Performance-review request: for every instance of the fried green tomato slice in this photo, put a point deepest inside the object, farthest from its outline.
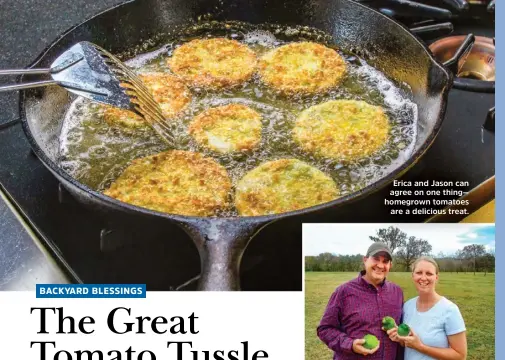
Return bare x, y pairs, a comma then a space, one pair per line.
175, 182
167, 90
283, 185
302, 68
345, 130
227, 129
213, 63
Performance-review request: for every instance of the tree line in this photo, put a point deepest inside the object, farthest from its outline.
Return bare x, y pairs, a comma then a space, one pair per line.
406, 249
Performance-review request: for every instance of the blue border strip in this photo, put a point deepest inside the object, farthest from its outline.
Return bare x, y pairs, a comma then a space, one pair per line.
500, 209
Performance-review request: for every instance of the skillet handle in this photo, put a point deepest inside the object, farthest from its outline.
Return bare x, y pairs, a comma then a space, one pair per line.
221, 244
456, 62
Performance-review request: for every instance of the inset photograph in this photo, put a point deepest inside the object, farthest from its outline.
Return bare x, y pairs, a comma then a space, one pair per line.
399, 291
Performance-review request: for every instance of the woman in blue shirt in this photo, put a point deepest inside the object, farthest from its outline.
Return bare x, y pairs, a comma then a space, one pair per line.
437, 327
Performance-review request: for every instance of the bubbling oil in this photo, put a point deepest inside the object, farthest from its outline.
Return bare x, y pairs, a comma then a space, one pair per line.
96, 153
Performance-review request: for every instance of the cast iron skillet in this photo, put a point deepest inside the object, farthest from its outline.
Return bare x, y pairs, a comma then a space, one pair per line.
221, 242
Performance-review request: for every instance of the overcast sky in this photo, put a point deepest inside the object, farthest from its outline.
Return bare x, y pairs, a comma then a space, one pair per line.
352, 239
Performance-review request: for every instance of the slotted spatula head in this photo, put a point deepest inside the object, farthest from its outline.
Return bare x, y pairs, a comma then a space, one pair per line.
90, 71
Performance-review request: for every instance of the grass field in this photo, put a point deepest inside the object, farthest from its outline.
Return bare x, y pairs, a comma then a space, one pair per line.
474, 294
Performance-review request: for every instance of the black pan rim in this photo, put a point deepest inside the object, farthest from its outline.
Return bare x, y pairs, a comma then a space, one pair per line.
119, 205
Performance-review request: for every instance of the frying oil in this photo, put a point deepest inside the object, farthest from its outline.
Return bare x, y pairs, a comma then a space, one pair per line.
96, 153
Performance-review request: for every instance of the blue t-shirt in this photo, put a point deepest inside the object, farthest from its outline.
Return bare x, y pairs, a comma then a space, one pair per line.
432, 326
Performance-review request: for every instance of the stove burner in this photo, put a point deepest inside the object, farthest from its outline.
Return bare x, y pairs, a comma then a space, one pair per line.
479, 64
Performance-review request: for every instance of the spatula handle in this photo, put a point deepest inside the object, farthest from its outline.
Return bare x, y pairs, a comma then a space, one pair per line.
24, 71
27, 85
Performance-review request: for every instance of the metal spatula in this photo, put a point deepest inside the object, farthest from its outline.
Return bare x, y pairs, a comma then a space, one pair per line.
90, 71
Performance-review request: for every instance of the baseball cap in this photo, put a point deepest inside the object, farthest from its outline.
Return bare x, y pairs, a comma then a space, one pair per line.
378, 247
